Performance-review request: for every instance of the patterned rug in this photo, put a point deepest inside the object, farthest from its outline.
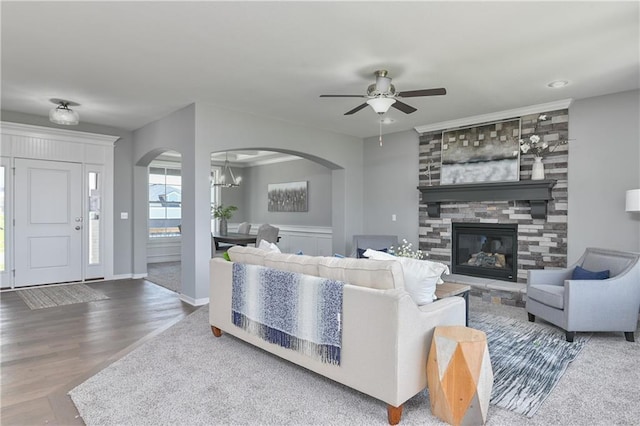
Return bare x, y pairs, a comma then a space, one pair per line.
528, 360
49, 297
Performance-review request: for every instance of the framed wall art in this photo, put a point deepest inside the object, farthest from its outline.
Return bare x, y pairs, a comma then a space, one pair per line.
288, 197
485, 153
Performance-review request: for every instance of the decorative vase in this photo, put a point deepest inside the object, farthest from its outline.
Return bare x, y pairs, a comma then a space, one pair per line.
537, 173
223, 227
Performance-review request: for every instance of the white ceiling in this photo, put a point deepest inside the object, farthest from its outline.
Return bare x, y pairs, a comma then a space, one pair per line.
130, 63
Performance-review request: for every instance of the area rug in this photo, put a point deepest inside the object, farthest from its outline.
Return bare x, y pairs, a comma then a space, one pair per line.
49, 297
166, 274
187, 376
527, 359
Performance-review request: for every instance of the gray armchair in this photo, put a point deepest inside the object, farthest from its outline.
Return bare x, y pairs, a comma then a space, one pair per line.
268, 233
244, 228
589, 305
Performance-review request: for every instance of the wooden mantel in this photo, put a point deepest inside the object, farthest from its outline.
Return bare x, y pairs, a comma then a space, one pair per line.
537, 192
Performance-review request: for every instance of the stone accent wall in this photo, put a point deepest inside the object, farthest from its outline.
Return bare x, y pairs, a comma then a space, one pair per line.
541, 243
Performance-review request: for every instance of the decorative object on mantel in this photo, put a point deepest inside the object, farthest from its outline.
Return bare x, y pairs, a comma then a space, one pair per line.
633, 200
485, 153
429, 164
223, 214
537, 146
538, 193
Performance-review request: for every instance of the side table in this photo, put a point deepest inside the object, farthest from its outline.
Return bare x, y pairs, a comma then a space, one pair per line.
451, 289
459, 375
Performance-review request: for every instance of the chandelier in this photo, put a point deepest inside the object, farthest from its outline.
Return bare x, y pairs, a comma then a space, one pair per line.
226, 178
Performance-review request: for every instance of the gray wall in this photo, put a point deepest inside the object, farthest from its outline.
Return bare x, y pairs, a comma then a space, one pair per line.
235, 197
123, 176
318, 177
391, 181
604, 162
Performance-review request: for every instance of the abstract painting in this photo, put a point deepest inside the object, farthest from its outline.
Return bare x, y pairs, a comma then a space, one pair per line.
287, 197
485, 153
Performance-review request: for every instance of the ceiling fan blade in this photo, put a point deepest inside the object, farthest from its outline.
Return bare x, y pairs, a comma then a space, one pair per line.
356, 109
342, 96
407, 109
423, 92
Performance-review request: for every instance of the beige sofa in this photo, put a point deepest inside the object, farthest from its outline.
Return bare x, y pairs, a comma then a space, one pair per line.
385, 335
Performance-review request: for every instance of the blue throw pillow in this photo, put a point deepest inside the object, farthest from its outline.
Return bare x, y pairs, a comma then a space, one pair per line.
583, 274
361, 252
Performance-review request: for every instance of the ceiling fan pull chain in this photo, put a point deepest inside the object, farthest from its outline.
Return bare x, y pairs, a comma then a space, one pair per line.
380, 139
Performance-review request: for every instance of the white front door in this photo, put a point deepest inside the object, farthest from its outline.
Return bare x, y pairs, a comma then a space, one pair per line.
48, 222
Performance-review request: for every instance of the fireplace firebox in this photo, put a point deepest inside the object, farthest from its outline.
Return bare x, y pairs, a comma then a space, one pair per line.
485, 250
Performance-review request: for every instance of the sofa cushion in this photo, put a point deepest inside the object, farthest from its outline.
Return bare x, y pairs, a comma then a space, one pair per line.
299, 263
382, 275
420, 276
550, 295
584, 274
250, 255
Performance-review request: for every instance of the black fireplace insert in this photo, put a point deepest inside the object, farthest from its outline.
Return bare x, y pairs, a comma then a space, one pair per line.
485, 250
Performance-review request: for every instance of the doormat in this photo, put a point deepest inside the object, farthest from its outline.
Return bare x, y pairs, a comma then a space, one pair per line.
49, 297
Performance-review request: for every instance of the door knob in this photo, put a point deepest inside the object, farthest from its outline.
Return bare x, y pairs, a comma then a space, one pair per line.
78, 228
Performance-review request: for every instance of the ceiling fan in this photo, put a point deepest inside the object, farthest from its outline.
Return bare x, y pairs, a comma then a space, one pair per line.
382, 95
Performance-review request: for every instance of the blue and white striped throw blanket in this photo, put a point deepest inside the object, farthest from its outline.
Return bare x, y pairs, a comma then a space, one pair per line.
295, 311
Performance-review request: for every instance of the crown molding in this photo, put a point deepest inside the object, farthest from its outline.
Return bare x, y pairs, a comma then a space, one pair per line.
495, 116
41, 132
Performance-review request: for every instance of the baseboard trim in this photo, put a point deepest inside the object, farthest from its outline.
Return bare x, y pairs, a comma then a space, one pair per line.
137, 276
194, 302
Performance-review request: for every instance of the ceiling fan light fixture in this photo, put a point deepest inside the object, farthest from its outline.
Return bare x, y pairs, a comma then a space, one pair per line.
62, 114
381, 105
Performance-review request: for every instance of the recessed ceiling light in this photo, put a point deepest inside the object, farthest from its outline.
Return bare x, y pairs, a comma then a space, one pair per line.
557, 84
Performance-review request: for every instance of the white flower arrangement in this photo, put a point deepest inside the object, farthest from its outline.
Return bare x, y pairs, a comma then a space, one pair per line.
406, 250
535, 144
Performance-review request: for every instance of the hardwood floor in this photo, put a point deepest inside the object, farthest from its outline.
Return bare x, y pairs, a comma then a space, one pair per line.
47, 352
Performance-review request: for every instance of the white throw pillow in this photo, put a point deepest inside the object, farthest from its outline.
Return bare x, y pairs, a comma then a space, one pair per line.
266, 245
420, 276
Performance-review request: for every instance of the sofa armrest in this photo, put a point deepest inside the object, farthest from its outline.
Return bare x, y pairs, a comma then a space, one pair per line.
548, 276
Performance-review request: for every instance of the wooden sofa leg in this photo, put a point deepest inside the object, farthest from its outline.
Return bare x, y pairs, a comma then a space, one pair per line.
629, 336
570, 335
532, 318
394, 414
216, 331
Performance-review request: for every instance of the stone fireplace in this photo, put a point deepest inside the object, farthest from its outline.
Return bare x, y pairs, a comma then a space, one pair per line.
539, 219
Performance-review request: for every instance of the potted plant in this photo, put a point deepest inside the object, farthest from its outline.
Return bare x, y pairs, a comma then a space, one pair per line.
223, 213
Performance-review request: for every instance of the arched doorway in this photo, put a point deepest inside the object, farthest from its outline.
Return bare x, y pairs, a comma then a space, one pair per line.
305, 228
164, 220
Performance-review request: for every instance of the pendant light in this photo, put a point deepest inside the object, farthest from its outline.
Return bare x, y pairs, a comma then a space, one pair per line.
226, 178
